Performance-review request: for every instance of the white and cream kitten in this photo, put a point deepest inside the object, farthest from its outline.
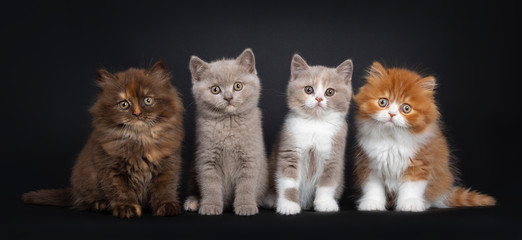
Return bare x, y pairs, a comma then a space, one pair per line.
307, 161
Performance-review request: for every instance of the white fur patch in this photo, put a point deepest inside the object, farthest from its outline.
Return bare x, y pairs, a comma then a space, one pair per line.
317, 133
373, 196
389, 148
324, 200
411, 196
287, 207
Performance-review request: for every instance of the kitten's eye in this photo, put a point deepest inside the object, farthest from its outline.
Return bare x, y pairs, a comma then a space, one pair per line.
238, 86
383, 102
406, 108
215, 89
148, 101
124, 105
309, 90
329, 92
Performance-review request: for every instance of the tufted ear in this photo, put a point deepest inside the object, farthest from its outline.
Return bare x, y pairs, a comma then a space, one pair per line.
105, 77
428, 83
159, 70
197, 66
377, 70
247, 60
298, 65
345, 69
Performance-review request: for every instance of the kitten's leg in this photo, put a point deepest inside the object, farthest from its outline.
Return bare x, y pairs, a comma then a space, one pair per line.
287, 185
210, 184
327, 185
164, 194
373, 195
245, 202
411, 192
122, 199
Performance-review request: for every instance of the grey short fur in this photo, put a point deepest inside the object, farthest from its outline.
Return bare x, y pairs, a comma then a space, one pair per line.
230, 167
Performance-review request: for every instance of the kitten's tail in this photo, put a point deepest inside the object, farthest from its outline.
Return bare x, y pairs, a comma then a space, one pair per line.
465, 197
55, 197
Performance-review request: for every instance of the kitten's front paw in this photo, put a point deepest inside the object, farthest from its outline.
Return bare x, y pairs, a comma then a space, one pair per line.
326, 205
191, 204
126, 210
206, 209
371, 205
99, 206
168, 209
286, 207
411, 205
246, 210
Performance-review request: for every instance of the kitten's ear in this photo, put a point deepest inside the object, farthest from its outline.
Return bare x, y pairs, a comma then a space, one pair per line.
159, 70
345, 69
428, 83
298, 66
247, 60
104, 77
197, 66
377, 70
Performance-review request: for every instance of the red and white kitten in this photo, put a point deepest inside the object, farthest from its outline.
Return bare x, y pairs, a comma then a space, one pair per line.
403, 159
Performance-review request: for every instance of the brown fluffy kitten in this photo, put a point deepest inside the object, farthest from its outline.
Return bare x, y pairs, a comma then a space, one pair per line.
402, 155
132, 158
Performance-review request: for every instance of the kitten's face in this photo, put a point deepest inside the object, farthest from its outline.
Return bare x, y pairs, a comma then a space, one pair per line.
317, 90
226, 87
397, 98
135, 98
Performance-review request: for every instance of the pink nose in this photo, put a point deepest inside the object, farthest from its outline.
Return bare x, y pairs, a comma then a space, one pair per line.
228, 99
392, 114
319, 99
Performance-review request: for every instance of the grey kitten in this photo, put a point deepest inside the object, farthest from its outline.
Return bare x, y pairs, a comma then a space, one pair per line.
307, 162
230, 166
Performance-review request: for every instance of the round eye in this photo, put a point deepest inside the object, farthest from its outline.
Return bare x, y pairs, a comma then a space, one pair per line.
383, 102
215, 89
238, 86
329, 92
406, 108
148, 101
124, 105
309, 90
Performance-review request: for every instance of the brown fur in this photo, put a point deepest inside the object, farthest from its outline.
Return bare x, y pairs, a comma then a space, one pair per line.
431, 161
132, 158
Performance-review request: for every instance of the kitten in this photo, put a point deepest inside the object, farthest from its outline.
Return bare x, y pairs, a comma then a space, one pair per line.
132, 158
307, 161
402, 154
230, 161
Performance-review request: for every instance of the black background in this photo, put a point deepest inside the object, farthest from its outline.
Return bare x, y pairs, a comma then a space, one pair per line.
51, 51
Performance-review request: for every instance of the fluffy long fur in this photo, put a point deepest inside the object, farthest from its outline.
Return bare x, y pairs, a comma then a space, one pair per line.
132, 158
230, 166
403, 159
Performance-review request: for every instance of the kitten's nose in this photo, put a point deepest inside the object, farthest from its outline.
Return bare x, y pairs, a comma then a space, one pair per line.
137, 113
392, 114
318, 99
228, 99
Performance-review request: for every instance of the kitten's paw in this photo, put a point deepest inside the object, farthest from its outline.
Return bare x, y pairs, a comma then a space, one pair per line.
371, 205
168, 209
191, 204
411, 205
126, 210
246, 210
326, 205
206, 209
286, 207
99, 206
